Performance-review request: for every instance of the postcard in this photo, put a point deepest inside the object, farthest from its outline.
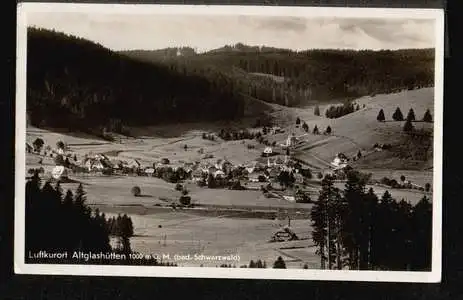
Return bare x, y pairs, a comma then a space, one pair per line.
250, 142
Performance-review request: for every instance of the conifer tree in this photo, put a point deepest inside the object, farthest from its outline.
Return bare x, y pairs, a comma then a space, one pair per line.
381, 117
279, 263
427, 116
382, 254
305, 127
397, 115
315, 130
422, 244
353, 230
325, 215
367, 247
411, 115
328, 129
316, 111
298, 121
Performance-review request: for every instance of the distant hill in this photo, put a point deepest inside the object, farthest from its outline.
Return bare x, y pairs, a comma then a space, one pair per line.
75, 83
312, 75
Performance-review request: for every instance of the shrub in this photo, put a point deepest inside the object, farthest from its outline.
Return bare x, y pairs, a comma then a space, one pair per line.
319, 175
136, 191
262, 178
178, 187
427, 116
185, 200
38, 144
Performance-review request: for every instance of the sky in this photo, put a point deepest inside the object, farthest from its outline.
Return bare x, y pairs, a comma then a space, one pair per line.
129, 31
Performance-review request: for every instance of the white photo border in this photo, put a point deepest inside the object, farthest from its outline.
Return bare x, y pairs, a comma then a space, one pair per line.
20, 267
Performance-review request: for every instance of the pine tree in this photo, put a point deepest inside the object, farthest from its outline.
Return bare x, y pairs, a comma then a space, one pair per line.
397, 116
382, 239
381, 117
279, 263
354, 214
316, 111
305, 127
367, 247
422, 235
408, 126
298, 121
252, 264
427, 116
411, 115
325, 221
315, 130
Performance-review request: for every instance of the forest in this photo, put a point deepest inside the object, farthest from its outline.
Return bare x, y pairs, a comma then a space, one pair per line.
305, 76
58, 221
355, 229
78, 84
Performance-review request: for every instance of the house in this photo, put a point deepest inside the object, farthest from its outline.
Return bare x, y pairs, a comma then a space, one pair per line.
197, 175
133, 163
276, 129
59, 151
212, 170
268, 151
254, 177
290, 198
59, 172
218, 165
339, 162
219, 174
299, 179
149, 171
291, 140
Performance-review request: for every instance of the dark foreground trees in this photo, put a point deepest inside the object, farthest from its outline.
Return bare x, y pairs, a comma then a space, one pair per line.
427, 116
354, 229
54, 223
59, 223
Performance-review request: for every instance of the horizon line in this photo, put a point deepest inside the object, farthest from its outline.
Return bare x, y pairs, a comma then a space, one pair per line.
199, 52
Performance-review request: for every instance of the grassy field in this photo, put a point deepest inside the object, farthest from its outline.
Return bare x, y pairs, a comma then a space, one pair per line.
179, 233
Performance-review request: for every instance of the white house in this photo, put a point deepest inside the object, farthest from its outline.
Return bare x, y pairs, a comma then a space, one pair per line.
59, 172
290, 198
291, 140
268, 150
219, 174
133, 163
149, 171
59, 151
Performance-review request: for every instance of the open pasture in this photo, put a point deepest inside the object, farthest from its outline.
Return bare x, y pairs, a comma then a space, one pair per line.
178, 233
360, 130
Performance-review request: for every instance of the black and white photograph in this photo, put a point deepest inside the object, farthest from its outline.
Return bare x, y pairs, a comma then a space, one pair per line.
229, 142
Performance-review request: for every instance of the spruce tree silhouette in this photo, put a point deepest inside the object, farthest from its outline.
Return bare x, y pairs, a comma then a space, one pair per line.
279, 263
397, 115
427, 116
381, 117
411, 115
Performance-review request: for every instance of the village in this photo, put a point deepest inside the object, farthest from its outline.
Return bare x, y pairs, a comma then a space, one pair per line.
224, 189
275, 172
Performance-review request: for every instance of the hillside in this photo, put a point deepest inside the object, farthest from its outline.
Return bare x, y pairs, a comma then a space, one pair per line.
75, 83
360, 131
312, 75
